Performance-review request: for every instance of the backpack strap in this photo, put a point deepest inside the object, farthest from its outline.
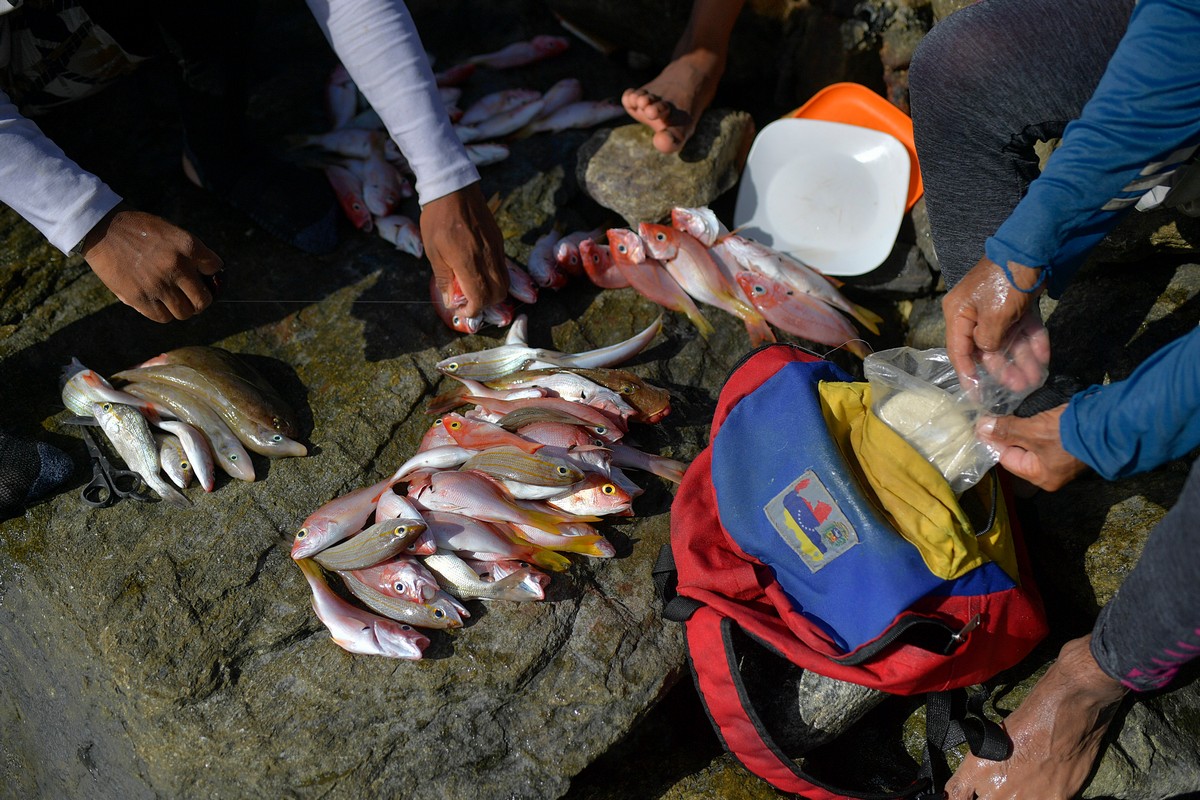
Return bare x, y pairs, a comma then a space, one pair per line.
720, 686
676, 607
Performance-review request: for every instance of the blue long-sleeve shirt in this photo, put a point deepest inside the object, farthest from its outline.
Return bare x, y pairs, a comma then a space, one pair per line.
1139, 423
1142, 121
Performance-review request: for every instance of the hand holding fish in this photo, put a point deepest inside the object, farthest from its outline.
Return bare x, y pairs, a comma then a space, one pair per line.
993, 322
464, 244
162, 271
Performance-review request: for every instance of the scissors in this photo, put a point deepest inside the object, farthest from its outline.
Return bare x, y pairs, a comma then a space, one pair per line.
108, 483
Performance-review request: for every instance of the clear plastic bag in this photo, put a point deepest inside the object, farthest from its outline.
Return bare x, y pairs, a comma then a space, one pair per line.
918, 394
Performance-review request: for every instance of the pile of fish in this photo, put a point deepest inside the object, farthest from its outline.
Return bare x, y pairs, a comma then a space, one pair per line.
370, 175
696, 259
185, 413
493, 499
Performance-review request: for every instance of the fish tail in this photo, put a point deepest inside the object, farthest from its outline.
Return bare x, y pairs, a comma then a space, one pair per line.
548, 559
868, 318
759, 330
703, 325
167, 492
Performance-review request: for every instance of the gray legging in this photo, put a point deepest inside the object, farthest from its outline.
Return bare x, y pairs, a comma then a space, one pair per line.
986, 84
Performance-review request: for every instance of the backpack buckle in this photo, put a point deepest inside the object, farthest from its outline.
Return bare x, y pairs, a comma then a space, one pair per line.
958, 638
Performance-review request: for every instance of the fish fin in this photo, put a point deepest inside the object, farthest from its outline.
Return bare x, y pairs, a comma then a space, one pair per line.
759, 331
868, 318
548, 559
702, 325
447, 401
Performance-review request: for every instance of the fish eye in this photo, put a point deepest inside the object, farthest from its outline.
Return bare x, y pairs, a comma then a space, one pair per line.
597, 442
600, 429
300, 534
438, 613
456, 320
357, 207
662, 237
454, 425
622, 248
184, 465
452, 366
399, 587
437, 421
107, 406
277, 438
406, 627
563, 471
760, 289
628, 388
233, 457
608, 488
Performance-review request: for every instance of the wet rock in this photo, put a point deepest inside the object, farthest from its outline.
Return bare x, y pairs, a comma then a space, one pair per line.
620, 169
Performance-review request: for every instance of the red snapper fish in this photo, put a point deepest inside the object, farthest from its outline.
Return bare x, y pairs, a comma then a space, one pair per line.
563, 93
699, 222
566, 252
349, 190
402, 232
453, 316
454, 76
520, 283
599, 266
339, 518
580, 114
474, 495
650, 279
356, 630
498, 102
542, 265
800, 314
518, 54
690, 263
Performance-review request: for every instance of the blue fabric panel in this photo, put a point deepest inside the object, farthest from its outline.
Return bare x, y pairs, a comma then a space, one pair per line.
772, 439
985, 579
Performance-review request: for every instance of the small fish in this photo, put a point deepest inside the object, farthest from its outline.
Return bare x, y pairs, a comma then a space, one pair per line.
358, 631
668, 468
585, 544
651, 280
483, 154
341, 97
463, 582
372, 545
599, 423
542, 266
580, 114
599, 266
699, 222
197, 452
691, 265
520, 283
337, 519
595, 495
498, 102
476, 434
130, 434
454, 76
453, 316
499, 314
434, 614
173, 460
404, 577
563, 93
460, 533
345, 142
566, 252
518, 54
485, 365
402, 232
517, 465
383, 185
446, 457
83, 386
349, 190
474, 495
800, 314
535, 583
510, 121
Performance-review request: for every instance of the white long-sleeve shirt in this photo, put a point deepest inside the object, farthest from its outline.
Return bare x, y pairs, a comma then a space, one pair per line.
377, 42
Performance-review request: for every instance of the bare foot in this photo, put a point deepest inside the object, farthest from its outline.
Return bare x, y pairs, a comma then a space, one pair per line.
1056, 735
671, 104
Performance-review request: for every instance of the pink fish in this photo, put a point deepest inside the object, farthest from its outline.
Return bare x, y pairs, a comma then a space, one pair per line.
341, 97
699, 222
558, 434
454, 76
402, 232
650, 279
349, 190
483, 154
508, 122
595, 495
499, 314
499, 102
580, 114
337, 519
800, 314
403, 577
599, 266
594, 544
453, 317
566, 252
383, 185
518, 54
520, 283
563, 93
476, 434
668, 468
475, 495
599, 422
542, 266
356, 630
482, 540
690, 263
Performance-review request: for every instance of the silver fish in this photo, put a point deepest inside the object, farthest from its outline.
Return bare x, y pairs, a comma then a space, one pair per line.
463, 582
372, 545
424, 615
173, 460
130, 434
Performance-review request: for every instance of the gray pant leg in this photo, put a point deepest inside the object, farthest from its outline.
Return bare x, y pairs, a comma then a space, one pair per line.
1151, 627
986, 83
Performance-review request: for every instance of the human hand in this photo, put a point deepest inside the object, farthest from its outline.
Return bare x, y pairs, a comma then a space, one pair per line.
990, 322
464, 244
150, 264
1031, 448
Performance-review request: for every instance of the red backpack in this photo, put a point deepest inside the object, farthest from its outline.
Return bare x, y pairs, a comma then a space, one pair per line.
774, 536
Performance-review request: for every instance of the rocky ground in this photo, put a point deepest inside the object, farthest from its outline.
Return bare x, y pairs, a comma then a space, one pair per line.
157, 652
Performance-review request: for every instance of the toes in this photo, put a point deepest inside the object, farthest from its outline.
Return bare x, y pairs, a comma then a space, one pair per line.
670, 140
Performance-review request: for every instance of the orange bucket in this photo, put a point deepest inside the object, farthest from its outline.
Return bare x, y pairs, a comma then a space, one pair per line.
855, 104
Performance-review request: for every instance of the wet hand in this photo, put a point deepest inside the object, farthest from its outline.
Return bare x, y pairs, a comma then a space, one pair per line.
152, 265
1031, 448
463, 243
991, 323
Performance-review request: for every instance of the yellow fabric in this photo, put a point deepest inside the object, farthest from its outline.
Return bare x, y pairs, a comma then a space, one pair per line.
911, 493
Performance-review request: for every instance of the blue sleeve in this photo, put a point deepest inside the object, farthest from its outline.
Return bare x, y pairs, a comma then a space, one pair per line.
1140, 123
1144, 421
